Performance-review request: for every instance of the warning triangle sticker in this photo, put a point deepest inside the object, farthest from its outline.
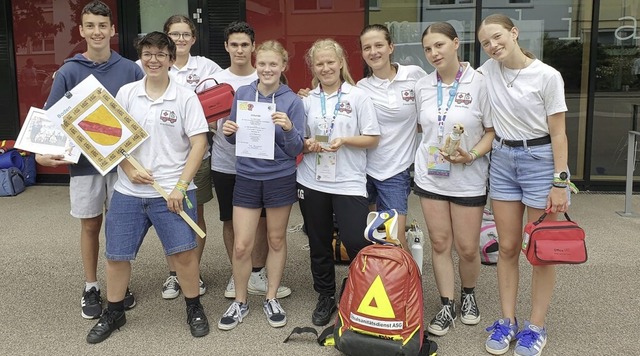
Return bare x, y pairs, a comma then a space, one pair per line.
376, 301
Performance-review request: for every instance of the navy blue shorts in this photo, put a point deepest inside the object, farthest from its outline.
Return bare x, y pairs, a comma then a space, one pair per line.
270, 193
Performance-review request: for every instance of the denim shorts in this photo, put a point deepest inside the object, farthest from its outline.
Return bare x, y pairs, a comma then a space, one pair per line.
480, 200
391, 193
129, 219
523, 174
270, 193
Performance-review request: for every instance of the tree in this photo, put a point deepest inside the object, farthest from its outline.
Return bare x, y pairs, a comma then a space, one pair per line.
29, 18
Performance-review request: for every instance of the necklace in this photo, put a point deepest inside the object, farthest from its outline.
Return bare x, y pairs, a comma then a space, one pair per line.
510, 82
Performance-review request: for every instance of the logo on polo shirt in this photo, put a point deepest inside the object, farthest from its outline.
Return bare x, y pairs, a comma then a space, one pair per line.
168, 115
408, 95
463, 98
345, 107
193, 79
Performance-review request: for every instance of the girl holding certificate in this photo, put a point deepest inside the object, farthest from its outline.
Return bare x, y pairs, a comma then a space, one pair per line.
341, 125
451, 184
266, 124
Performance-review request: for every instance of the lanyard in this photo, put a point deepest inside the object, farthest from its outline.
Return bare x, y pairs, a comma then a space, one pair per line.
323, 103
452, 94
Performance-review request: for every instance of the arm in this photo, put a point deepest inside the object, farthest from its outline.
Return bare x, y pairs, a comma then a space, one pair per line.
58, 88
292, 128
557, 200
230, 126
367, 126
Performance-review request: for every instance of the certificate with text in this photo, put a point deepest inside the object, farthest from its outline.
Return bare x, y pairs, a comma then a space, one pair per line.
256, 133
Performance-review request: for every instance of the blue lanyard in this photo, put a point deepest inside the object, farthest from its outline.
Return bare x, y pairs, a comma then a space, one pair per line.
323, 103
452, 94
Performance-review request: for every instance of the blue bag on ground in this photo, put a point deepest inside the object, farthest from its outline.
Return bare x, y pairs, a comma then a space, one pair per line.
11, 158
11, 182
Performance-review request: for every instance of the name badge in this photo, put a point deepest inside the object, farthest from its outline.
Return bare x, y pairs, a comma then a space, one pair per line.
323, 140
326, 166
436, 164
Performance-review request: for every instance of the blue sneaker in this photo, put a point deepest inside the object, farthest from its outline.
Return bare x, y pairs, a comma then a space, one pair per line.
531, 340
502, 333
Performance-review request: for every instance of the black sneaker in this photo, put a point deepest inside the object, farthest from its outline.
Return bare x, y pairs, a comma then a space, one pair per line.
324, 309
91, 303
441, 323
469, 312
129, 300
109, 321
197, 320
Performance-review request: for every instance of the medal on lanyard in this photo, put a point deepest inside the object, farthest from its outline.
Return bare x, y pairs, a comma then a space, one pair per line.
328, 129
442, 116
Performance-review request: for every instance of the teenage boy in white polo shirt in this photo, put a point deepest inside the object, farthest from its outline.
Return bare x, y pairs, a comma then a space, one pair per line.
240, 44
173, 117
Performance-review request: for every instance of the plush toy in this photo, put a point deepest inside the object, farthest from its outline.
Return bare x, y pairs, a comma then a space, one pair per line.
452, 142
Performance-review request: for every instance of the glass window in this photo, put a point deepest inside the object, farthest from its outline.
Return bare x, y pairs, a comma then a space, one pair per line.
617, 95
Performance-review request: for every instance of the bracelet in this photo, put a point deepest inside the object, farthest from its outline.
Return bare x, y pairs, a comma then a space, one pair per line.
475, 153
558, 185
184, 182
184, 193
474, 156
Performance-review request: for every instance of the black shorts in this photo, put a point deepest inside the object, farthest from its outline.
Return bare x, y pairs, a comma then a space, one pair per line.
480, 200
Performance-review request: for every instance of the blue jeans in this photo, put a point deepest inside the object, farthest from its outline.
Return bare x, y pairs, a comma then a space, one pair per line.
129, 218
391, 193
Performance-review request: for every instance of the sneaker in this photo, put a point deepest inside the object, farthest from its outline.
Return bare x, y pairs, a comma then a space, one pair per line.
469, 312
230, 291
445, 318
91, 303
109, 321
234, 315
274, 312
324, 309
203, 287
258, 284
129, 300
502, 333
197, 320
171, 288
531, 340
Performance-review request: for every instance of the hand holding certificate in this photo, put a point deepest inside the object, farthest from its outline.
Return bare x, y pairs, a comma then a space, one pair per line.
255, 136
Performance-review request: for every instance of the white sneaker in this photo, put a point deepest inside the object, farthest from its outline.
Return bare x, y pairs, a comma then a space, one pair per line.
171, 288
230, 291
258, 284
203, 287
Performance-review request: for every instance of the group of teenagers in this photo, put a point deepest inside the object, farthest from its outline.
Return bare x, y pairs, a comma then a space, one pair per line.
357, 141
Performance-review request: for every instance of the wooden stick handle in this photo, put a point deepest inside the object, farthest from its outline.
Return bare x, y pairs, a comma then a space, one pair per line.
164, 194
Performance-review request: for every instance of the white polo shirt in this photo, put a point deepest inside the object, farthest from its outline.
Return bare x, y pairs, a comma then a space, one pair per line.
470, 108
520, 112
357, 116
395, 103
223, 154
170, 121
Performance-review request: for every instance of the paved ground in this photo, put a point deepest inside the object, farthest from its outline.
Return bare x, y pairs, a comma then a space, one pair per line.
594, 311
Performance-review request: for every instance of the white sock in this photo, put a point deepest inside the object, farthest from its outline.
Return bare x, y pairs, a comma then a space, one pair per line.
89, 285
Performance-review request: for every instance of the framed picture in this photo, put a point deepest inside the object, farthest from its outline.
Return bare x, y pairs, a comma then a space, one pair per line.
41, 135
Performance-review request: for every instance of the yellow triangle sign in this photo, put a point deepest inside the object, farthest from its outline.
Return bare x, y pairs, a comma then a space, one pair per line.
376, 302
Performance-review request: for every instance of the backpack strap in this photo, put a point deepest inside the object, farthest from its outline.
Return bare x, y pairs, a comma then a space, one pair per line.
325, 338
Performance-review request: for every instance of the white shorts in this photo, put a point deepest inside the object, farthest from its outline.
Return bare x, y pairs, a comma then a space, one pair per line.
91, 195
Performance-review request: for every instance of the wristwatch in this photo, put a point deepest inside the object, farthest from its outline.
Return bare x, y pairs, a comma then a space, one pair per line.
561, 175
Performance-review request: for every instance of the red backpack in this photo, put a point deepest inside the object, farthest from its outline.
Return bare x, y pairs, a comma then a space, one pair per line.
381, 308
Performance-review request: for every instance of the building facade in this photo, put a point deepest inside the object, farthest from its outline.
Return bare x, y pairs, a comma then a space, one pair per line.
595, 45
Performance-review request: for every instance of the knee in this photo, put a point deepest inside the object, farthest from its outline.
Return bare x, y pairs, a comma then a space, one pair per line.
440, 246
184, 258
276, 243
509, 250
242, 250
469, 253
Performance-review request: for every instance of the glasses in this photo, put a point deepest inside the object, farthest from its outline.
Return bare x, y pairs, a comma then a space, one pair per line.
160, 56
176, 35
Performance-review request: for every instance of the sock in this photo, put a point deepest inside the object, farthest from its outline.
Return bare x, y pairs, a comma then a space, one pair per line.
117, 306
192, 301
89, 285
172, 273
445, 301
468, 290
256, 269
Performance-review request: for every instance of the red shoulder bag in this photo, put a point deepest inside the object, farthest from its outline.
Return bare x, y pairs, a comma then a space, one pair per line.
554, 242
216, 101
